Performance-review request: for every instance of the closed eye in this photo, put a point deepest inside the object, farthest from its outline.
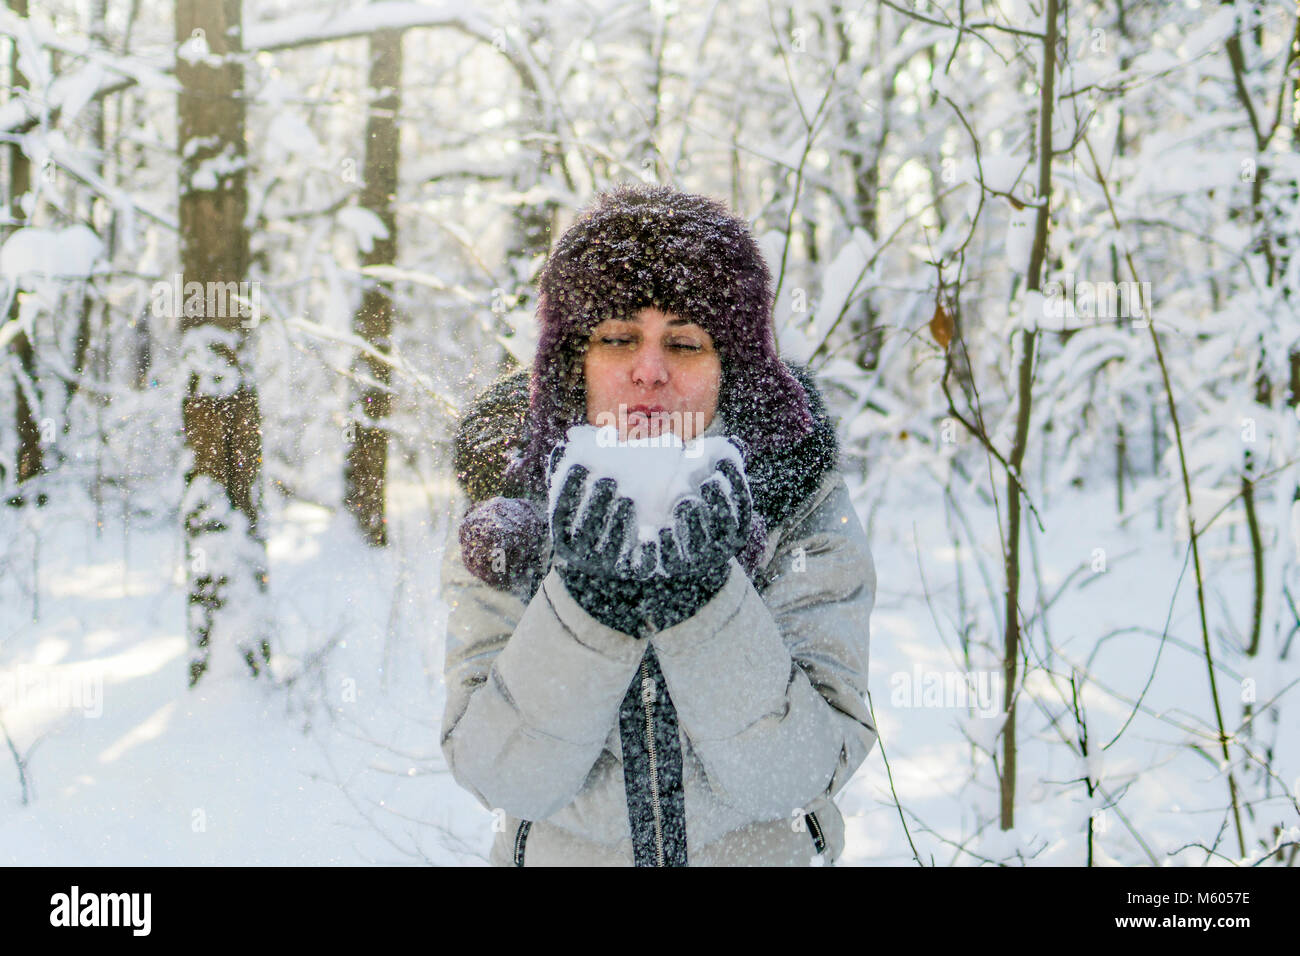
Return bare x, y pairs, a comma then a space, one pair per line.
683, 346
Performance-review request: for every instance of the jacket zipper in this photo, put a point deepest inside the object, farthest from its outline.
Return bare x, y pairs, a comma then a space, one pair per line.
521, 837
647, 699
819, 840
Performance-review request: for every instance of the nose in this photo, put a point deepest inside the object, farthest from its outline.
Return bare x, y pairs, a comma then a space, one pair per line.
649, 367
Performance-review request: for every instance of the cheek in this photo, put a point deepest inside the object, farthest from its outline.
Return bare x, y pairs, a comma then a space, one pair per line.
591, 372
596, 375
709, 386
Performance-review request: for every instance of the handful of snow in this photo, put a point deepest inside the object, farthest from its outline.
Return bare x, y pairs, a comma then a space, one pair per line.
655, 472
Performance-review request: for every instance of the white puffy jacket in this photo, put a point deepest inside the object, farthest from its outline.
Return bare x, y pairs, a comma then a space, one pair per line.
767, 684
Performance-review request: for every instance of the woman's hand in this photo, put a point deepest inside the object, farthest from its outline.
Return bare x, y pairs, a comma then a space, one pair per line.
696, 552
600, 541
708, 530
603, 572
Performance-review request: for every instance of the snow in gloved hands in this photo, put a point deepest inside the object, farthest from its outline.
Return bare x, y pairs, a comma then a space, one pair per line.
655, 472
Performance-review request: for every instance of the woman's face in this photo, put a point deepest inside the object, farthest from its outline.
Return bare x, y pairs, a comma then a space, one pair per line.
652, 373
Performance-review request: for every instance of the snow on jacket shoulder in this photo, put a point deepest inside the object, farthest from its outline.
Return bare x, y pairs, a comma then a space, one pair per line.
768, 681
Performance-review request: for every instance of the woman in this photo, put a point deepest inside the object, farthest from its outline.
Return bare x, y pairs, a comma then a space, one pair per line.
607, 717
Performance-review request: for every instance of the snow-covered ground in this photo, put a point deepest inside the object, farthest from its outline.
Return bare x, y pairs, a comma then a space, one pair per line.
124, 765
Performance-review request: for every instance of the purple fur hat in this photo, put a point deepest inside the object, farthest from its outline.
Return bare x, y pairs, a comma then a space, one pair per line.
641, 245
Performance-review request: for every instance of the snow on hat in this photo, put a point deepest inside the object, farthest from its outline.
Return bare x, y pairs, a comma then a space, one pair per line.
639, 245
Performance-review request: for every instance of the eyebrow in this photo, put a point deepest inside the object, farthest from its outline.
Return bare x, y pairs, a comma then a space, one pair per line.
678, 321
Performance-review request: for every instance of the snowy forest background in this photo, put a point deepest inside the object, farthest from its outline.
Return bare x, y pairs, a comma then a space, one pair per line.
1041, 255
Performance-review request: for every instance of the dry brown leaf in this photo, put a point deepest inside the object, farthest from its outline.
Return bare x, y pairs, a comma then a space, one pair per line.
941, 326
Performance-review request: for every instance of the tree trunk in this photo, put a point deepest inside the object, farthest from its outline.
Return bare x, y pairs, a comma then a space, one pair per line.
94, 113
866, 190
366, 468
1033, 282
29, 459
226, 556
534, 221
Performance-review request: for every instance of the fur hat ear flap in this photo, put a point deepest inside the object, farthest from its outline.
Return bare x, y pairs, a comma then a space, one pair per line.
502, 540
